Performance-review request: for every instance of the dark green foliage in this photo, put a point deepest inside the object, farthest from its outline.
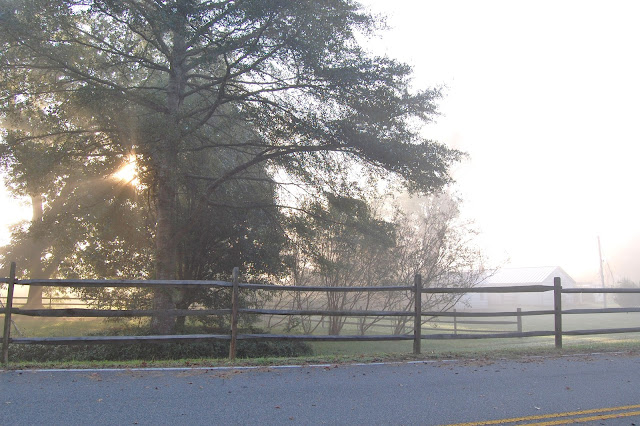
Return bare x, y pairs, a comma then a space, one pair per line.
341, 238
341, 243
221, 103
157, 351
170, 79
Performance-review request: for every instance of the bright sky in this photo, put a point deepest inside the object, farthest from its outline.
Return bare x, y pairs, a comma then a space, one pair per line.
11, 211
543, 95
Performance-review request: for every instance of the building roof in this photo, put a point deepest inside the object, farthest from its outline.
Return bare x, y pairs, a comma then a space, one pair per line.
528, 276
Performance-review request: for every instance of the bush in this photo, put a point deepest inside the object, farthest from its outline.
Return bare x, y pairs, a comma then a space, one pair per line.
156, 351
628, 300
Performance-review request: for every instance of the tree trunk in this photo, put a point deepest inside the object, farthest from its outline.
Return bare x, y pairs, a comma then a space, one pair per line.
166, 247
184, 303
166, 161
335, 326
34, 298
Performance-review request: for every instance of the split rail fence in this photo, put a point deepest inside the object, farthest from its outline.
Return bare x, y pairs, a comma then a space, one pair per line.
416, 291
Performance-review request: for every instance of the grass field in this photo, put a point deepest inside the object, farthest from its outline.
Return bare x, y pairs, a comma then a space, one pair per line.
56, 327
32, 327
530, 323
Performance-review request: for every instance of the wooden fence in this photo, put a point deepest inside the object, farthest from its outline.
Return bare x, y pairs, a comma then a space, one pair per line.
53, 301
235, 310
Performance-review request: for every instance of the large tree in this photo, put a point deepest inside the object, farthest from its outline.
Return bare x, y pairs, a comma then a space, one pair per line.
435, 242
169, 79
342, 244
346, 243
69, 197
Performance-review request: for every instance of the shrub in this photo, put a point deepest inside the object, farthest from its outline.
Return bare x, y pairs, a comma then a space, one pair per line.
628, 300
156, 351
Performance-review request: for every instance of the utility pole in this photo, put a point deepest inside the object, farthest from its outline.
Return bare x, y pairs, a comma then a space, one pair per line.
604, 295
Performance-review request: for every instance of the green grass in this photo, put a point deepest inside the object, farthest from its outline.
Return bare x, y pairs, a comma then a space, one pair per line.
346, 352
513, 352
450, 347
57, 327
483, 347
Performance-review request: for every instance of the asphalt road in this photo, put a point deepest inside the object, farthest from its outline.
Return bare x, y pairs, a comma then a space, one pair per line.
597, 389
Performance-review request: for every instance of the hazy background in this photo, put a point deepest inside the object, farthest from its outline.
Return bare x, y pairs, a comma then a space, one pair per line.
544, 97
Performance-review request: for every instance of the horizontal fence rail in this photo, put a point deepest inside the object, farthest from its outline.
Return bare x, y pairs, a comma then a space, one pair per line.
601, 290
124, 283
414, 292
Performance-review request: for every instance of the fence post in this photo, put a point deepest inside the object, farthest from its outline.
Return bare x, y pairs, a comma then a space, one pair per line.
417, 320
519, 319
7, 314
455, 322
557, 307
234, 315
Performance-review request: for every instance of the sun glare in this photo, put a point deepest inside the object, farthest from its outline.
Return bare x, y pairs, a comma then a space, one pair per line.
129, 172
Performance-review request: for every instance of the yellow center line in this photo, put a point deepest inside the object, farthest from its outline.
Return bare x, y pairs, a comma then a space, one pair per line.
556, 415
586, 419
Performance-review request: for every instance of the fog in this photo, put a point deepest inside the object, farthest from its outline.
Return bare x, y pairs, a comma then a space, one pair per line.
543, 97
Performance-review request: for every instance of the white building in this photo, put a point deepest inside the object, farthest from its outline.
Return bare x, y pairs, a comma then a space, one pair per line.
508, 277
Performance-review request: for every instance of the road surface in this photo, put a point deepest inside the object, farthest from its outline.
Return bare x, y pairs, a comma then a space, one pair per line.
585, 389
